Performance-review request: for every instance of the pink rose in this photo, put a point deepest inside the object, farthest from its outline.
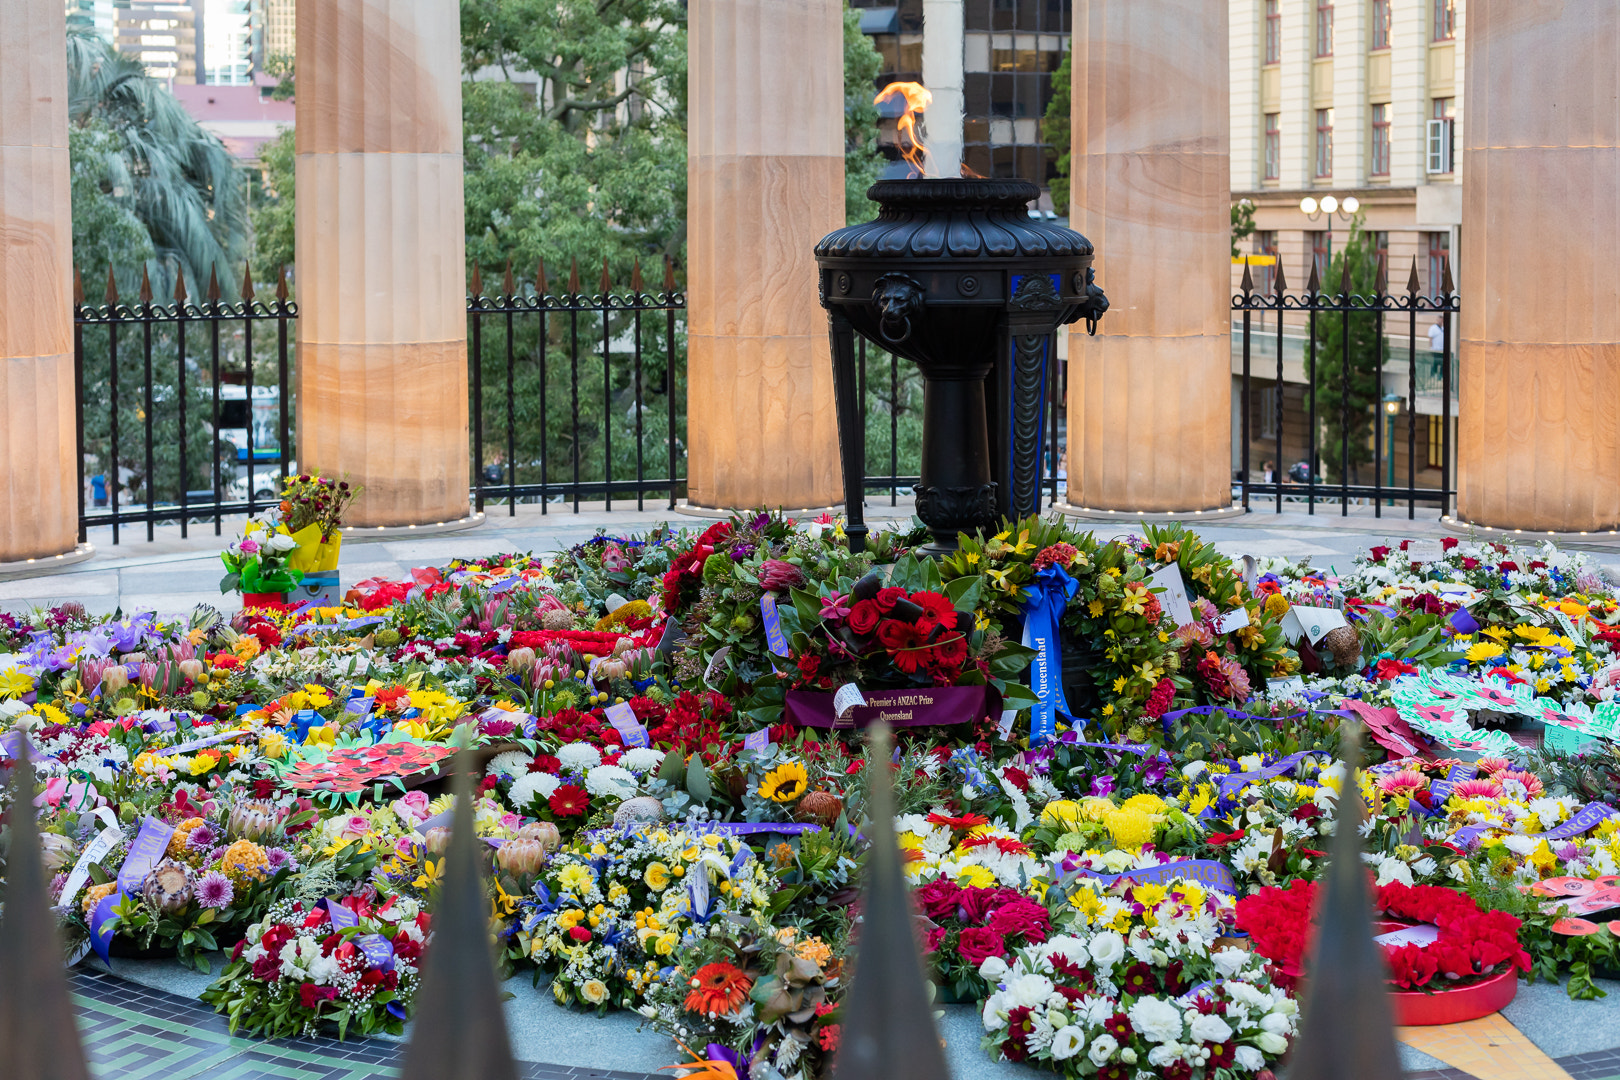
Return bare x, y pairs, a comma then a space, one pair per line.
356, 827
250, 547
511, 821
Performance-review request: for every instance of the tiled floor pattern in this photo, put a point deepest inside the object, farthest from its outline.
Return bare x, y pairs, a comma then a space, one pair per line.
134, 1033
1489, 1048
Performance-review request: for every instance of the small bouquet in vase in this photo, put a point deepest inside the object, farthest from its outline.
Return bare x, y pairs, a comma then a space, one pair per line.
312, 509
259, 565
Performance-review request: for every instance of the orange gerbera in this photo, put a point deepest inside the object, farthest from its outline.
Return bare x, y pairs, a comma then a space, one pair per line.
717, 989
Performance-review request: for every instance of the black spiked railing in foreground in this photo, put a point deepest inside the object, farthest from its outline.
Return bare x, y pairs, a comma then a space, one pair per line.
460, 1030
1348, 1030
889, 1031
38, 1038
1301, 437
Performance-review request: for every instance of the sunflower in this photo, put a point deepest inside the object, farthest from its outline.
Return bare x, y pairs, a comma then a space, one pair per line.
717, 989
785, 783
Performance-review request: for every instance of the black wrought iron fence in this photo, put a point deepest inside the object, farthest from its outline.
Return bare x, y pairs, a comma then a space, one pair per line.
1340, 408
186, 412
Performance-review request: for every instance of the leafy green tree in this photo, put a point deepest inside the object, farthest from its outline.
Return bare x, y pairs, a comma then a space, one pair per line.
1055, 129
272, 213
1242, 224
1345, 406
862, 162
180, 181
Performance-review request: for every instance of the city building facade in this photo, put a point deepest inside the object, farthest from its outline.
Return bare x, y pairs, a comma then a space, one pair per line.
162, 36
1336, 100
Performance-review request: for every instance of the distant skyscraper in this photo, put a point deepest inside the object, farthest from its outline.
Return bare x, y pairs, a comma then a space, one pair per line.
228, 42
279, 22
96, 15
163, 36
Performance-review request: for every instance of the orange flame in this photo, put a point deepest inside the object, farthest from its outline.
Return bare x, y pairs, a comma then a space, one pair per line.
917, 98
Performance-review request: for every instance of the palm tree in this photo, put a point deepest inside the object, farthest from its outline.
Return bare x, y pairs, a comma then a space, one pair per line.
179, 180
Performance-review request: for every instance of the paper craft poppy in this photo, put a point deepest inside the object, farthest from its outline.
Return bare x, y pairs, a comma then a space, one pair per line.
1575, 927
357, 768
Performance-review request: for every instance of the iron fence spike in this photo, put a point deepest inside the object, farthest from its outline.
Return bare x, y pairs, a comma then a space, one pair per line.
1412, 285
540, 285
507, 282
247, 281
146, 285
607, 284
1446, 285
38, 1038
112, 288
1282, 284
179, 284
669, 274
1248, 280
281, 283
460, 1030
1344, 278
889, 1031
1382, 284
477, 281
1314, 285
78, 287
573, 277
1348, 1029
212, 295
635, 277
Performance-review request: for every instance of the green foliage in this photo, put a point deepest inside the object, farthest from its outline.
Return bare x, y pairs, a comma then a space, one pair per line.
106, 231
862, 163
1340, 398
1055, 130
1242, 223
272, 214
178, 180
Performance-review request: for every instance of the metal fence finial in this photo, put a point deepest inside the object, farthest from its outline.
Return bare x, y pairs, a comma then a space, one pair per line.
212, 296
1248, 279
1282, 283
669, 274
112, 289
1344, 279
1446, 284
540, 285
78, 288
460, 1029
1348, 1031
1382, 281
1412, 285
1314, 285
38, 1038
146, 285
179, 284
889, 1031
247, 282
607, 283
573, 277
477, 282
281, 283
507, 283
635, 278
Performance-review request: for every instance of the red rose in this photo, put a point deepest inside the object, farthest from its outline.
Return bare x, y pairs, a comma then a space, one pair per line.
1023, 917
864, 616
267, 968
887, 598
939, 898
407, 948
1380, 553
311, 996
1507, 564
1018, 778
979, 943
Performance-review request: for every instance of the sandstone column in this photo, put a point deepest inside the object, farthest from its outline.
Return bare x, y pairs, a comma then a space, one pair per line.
765, 181
1539, 444
382, 328
1150, 395
38, 497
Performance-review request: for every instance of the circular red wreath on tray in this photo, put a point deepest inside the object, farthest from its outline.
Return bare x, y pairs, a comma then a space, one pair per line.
1472, 945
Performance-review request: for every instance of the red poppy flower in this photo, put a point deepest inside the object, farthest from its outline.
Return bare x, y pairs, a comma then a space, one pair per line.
1222, 839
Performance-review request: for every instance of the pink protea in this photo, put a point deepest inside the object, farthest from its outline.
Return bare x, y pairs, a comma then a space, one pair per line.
1407, 782
1478, 789
1530, 782
1492, 766
779, 576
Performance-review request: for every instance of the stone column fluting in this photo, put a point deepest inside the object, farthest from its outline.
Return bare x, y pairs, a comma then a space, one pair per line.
765, 181
382, 327
1150, 395
1538, 438
39, 503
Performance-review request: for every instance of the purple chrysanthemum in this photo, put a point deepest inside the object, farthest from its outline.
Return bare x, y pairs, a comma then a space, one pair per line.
214, 890
203, 838
278, 858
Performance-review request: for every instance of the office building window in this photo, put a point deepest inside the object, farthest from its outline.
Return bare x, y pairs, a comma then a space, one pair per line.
1445, 20
1380, 140
1439, 256
1437, 445
1265, 277
1324, 143
1324, 27
1007, 87
1321, 254
1380, 24
1443, 136
1273, 145
1273, 31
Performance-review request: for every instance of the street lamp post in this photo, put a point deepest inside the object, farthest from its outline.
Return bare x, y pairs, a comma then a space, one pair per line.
1393, 406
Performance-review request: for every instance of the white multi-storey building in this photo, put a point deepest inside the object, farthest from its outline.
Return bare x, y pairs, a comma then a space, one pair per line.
1359, 98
